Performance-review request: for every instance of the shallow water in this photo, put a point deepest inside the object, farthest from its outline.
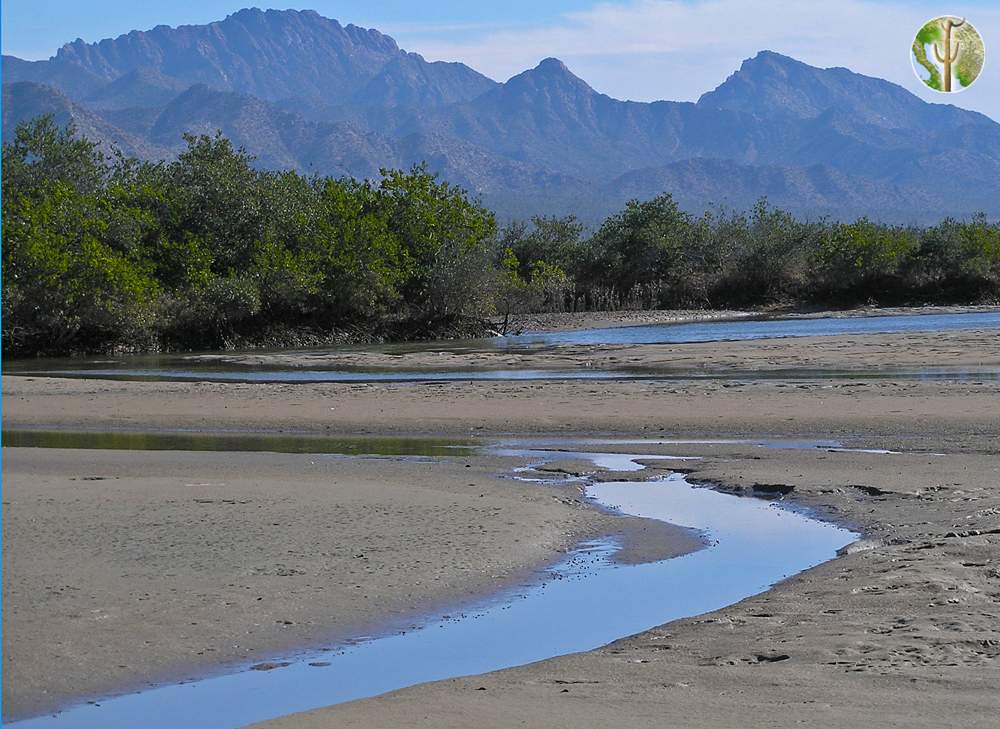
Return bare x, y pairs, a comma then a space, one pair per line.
629, 462
743, 329
587, 601
538, 450
132, 441
217, 368
304, 375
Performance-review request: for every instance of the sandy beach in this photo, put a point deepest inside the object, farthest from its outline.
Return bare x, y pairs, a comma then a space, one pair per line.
906, 630
890, 409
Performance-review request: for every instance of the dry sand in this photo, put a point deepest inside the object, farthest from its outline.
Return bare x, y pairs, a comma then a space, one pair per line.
905, 634
838, 408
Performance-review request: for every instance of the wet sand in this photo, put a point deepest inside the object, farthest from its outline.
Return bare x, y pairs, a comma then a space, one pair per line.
123, 568
908, 632
902, 632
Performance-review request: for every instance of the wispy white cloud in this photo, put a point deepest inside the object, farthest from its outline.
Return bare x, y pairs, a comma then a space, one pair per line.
432, 28
655, 49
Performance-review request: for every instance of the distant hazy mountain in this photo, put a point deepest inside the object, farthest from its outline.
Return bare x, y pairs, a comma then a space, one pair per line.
24, 100
299, 90
273, 54
142, 87
772, 86
409, 80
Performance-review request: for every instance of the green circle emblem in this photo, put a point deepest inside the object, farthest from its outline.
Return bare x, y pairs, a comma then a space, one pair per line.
948, 54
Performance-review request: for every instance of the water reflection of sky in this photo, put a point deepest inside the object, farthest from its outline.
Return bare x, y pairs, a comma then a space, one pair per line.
589, 602
716, 331
217, 368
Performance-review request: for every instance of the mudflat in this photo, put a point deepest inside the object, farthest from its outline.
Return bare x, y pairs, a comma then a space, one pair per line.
907, 631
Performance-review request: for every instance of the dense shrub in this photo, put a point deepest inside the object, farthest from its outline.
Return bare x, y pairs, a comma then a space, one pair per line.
654, 255
206, 251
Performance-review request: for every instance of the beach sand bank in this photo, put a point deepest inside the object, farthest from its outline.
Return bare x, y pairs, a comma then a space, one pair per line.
906, 632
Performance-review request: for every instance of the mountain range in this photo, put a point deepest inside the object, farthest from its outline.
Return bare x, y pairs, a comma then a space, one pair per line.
298, 90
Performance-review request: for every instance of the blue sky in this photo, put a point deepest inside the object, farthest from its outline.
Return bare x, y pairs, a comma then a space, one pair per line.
635, 49
36, 28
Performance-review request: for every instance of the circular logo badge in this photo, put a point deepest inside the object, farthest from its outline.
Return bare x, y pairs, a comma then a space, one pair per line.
948, 54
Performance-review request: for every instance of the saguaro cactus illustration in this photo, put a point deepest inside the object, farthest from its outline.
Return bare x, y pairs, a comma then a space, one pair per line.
947, 55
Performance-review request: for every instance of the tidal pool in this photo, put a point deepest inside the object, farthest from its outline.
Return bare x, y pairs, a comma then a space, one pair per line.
586, 601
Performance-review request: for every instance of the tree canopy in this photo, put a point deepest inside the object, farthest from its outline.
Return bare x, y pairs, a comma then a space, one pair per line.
107, 253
